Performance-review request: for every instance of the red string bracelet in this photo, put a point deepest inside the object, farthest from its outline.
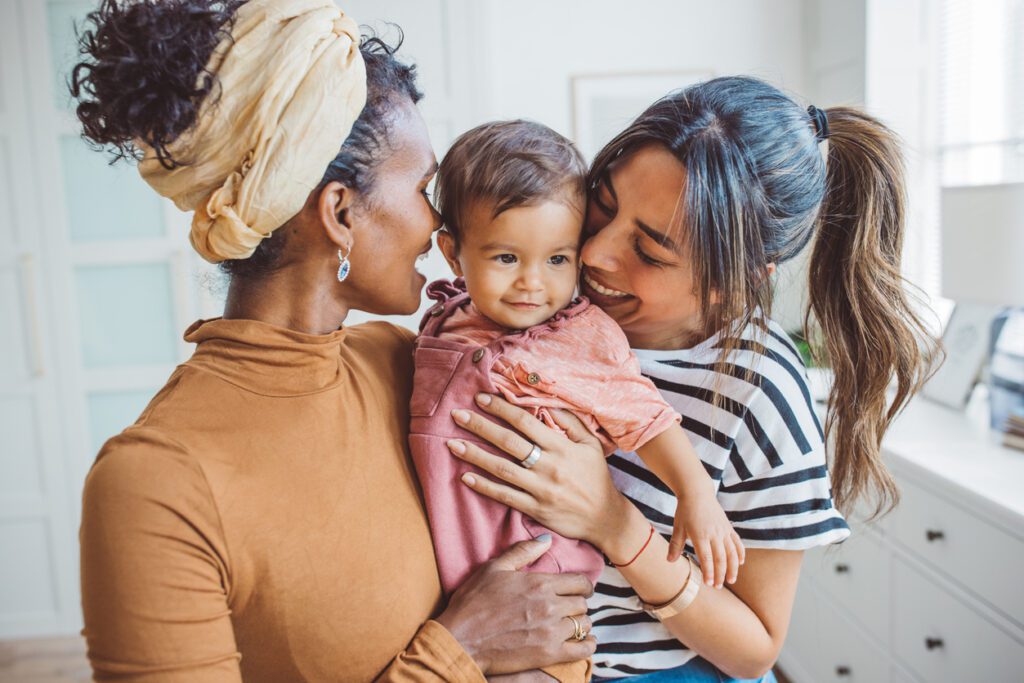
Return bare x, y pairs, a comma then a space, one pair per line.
639, 552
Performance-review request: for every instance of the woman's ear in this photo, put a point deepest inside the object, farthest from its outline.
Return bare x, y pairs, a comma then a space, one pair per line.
446, 242
334, 209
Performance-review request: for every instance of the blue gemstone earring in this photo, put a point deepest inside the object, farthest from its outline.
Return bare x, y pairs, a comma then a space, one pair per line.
343, 266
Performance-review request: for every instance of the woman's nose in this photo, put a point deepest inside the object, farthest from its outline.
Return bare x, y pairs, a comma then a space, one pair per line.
600, 251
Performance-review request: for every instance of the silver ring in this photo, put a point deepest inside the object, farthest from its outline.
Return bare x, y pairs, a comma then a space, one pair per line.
531, 460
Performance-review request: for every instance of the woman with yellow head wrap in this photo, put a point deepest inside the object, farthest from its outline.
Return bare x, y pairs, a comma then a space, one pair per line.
260, 520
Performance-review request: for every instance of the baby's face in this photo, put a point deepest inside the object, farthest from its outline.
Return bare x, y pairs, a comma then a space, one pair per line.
522, 266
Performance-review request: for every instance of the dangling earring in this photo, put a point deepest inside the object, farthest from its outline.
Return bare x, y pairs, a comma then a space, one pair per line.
343, 266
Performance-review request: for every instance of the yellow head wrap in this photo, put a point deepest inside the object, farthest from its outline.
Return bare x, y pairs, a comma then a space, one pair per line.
291, 82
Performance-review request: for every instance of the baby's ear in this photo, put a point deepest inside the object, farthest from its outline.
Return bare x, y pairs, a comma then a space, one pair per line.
450, 250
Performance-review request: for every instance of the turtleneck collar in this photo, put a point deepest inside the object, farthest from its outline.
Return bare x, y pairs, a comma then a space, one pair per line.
265, 359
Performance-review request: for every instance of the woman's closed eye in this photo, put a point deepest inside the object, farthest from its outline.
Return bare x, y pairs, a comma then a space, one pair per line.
643, 256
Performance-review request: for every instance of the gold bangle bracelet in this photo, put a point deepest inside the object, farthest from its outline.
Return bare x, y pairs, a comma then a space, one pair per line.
683, 599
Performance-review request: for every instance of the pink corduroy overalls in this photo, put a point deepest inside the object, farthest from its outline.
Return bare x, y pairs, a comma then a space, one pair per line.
468, 528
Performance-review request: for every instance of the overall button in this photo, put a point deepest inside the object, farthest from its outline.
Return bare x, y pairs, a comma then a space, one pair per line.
477, 355
533, 378
437, 311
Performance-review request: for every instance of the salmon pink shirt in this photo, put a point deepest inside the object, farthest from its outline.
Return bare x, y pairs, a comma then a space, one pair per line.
579, 361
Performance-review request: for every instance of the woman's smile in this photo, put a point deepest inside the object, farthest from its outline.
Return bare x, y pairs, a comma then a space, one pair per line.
592, 283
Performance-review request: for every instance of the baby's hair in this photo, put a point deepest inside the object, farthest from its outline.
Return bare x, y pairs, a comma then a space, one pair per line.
508, 164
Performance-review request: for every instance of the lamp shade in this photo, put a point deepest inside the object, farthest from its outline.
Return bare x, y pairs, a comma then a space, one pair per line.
983, 244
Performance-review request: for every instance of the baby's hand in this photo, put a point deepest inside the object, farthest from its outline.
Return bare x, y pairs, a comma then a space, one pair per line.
719, 548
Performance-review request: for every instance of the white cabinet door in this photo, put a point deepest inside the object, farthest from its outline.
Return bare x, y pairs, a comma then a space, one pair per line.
940, 637
96, 286
37, 572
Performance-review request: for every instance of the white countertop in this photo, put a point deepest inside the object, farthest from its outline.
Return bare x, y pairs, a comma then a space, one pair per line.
956, 454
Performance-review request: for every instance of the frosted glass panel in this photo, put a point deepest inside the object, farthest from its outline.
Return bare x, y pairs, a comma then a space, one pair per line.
20, 456
127, 315
14, 361
110, 413
62, 18
25, 575
8, 227
106, 202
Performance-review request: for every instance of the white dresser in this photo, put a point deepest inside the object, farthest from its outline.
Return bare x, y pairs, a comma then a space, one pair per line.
933, 592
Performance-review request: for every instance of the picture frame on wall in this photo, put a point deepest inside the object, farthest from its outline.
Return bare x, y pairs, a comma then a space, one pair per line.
967, 341
604, 104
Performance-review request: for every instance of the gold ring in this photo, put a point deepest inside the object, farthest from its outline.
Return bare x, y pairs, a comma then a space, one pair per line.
578, 634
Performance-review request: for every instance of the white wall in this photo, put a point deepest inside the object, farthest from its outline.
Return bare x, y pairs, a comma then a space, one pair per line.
533, 48
834, 68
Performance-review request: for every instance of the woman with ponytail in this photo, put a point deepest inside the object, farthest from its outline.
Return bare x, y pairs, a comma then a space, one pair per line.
692, 209
261, 520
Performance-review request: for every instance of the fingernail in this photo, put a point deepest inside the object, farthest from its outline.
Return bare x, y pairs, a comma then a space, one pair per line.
543, 538
460, 416
456, 446
469, 479
483, 399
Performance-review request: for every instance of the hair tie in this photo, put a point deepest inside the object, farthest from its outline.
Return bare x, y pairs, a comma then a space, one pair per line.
820, 120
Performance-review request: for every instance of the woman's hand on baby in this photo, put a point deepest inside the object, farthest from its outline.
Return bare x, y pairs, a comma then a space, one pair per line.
510, 621
568, 490
719, 549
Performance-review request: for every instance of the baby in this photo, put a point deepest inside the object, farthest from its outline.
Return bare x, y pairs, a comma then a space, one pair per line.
512, 195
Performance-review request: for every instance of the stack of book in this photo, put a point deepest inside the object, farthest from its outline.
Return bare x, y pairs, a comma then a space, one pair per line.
1014, 430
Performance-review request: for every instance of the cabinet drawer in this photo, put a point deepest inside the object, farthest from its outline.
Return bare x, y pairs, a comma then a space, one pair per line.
984, 558
943, 639
856, 576
898, 676
824, 647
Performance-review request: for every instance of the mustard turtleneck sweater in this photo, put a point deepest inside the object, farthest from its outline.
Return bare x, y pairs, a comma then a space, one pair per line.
261, 519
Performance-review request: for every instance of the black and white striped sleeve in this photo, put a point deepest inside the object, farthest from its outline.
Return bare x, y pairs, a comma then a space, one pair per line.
775, 484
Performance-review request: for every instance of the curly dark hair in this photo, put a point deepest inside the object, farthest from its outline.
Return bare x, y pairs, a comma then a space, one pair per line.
143, 77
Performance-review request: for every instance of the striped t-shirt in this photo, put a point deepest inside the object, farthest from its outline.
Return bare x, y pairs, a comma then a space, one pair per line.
763, 445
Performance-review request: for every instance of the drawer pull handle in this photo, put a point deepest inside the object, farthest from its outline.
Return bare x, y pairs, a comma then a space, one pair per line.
933, 643
842, 569
843, 671
934, 535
